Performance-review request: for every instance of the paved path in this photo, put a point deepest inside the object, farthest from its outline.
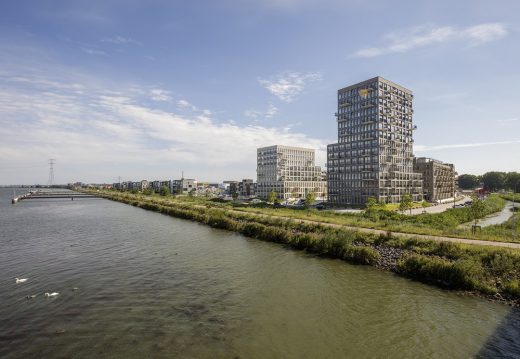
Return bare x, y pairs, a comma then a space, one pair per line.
397, 234
437, 208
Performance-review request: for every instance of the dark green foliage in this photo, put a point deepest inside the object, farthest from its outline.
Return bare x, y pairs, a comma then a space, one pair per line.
437, 270
494, 181
467, 181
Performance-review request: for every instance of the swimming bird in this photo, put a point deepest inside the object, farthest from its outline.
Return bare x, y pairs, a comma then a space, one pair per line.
21, 280
53, 294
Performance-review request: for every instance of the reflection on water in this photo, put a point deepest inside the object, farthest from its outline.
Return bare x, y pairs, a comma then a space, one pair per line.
154, 286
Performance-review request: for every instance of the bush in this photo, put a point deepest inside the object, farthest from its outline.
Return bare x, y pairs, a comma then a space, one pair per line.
362, 255
512, 288
463, 274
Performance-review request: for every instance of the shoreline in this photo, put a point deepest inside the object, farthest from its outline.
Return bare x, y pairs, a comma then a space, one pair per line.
385, 252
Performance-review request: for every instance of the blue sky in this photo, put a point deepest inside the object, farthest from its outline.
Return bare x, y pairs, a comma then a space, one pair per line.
147, 89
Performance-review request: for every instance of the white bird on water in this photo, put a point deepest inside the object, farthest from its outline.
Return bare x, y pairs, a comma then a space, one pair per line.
53, 294
21, 280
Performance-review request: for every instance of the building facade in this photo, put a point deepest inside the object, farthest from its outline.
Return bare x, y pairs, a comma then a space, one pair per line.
374, 153
245, 188
438, 178
289, 171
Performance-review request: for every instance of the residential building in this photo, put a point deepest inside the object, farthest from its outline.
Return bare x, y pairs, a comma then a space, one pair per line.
184, 185
438, 178
374, 153
289, 171
247, 188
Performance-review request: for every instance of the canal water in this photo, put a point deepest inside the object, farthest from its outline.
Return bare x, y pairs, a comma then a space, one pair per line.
152, 286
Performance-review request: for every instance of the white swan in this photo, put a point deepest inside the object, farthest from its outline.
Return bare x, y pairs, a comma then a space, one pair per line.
21, 280
53, 294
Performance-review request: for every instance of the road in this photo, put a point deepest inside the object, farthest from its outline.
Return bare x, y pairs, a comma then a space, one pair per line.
437, 208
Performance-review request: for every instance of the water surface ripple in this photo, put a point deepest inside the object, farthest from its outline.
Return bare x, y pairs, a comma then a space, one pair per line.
152, 286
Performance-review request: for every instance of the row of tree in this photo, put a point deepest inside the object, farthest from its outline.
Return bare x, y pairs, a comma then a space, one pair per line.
493, 181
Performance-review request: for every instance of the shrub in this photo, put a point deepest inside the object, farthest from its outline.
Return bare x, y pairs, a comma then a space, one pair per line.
512, 288
361, 255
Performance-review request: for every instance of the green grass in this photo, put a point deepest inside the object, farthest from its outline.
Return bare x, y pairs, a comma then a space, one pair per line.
438, 224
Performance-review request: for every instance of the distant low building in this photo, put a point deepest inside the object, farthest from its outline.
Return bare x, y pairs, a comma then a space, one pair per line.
184, 185
438, 178
244, 189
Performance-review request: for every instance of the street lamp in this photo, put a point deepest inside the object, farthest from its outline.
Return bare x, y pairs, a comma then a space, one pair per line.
513, 220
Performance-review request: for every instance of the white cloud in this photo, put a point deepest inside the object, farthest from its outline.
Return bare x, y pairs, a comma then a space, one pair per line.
160, 95
271, 111
112, 129
288, 85
183, 104
422, 36
422, 148
120, 40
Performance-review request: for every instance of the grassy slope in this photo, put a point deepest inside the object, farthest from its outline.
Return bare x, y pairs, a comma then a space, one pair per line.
439, 224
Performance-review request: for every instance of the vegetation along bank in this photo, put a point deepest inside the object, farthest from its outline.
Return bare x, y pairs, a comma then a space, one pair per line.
488, 271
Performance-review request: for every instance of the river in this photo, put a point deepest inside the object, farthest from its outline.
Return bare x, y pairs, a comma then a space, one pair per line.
152, 286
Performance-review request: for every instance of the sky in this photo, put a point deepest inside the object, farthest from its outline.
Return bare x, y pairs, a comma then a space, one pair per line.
153, 89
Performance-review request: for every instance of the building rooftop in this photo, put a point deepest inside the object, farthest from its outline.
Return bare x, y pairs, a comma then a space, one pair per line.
378, 78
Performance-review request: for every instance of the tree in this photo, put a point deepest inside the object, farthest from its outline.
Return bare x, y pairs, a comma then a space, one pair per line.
477, 208
271, 197
424, 205
467, 181
513, 181
371, 204
164, 191
494, 181
406, 203
234, 195
310, 197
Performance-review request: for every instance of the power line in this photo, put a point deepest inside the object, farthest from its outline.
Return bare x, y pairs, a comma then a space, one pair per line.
52, 161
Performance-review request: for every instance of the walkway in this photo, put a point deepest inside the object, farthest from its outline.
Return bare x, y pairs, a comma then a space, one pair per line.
437, 208
397, 234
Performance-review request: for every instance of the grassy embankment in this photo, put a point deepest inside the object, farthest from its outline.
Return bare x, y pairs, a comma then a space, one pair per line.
439, 224
485, 270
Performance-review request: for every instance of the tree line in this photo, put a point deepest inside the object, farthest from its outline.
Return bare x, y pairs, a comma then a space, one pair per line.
492, 181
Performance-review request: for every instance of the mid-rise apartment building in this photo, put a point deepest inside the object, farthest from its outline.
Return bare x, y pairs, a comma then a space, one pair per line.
289, 171
374, 153
438, 178
244, 188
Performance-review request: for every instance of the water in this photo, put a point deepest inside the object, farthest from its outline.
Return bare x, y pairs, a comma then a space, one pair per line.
152, 286
499, 217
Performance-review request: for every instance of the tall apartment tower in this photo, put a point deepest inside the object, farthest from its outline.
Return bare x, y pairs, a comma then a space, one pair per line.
289, 171
374, 153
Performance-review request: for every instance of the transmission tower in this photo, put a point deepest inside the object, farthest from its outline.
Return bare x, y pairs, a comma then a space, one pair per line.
52, 161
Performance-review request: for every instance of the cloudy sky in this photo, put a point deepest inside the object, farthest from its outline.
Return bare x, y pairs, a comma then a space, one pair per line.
147, 89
